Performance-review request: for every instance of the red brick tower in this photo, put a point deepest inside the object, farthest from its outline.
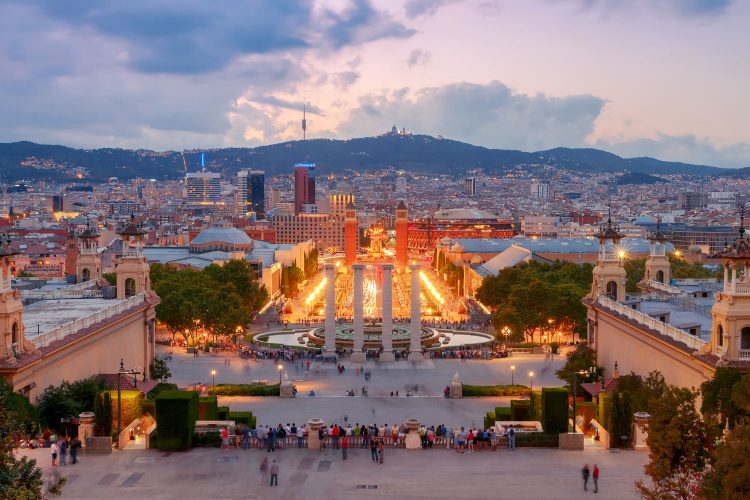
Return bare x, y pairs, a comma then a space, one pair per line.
71, 253
402, 236
351, 228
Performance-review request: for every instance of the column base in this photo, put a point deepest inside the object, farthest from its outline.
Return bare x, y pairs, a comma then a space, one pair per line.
416, 356
387, 356
359, 357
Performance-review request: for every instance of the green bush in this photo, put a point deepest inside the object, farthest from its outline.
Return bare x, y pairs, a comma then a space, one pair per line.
148, 406
520, 409
555, 347
537, 440
253, 423
103, 414
242, 417
535, 405
176, 413
479, 391
161, 387
502, 413
245, 390
489, 420
622, 420
208, 408
222, 413
604, 416
524, 345
210, 439
554, 409
131, 401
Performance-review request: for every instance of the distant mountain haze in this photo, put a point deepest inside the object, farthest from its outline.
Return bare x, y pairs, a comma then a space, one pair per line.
421, 153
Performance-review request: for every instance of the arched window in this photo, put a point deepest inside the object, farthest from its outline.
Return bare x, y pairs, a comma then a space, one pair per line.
612, 290
660, 276
745, 338
129, 287
14, 334
86, 274
720, 334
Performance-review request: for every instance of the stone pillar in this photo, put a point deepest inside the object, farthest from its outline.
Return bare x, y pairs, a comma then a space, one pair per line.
286, 390
330, 331
387, 333
359, 315
86, 427
412, 440
415, 327
640, 434
456, 388
313, 426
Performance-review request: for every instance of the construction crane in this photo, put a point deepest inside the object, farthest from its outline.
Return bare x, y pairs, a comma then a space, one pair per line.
184, 162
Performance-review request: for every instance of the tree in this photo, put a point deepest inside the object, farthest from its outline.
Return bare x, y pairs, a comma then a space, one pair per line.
741, 393
622, 419
583, 358
111, 278
67, 400
635, 270
729, 476
159, 367
292, 277
682, 269
718, 404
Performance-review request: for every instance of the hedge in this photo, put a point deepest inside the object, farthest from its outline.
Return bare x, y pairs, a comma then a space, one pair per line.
605, 410
161, 387
535, 405
520, 409
242, 417
210, 439
489, 420
148, 406
554, 409
537, 440
176, 413
222, 413
502, 413
245, 390
131, 406
479, 391
208, 408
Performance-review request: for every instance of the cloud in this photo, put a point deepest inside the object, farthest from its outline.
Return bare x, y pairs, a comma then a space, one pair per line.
345, 79
491, 115
417, 8
686, 148
361, 23
682, 7
418, 57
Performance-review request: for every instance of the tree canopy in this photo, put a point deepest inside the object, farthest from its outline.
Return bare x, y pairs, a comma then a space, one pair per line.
582, 358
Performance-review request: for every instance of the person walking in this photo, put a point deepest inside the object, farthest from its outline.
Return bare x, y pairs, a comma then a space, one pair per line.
53, 452
74, 446
344, 447
274, 473
585, 474
62, 445
595, 477
264, 469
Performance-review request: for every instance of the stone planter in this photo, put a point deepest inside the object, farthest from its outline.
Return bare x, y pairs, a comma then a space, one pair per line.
313, 426
412, 440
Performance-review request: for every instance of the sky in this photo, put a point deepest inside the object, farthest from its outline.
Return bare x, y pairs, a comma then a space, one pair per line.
661, 78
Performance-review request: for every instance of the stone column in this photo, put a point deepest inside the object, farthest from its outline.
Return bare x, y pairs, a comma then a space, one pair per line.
359, 315
313, 426
387, 302
412, 440
86, 427
330, 331
415, 327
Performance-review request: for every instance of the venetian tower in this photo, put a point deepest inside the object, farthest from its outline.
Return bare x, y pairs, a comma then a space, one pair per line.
71, 253
657, 265
14, 341
351, 228
89, 263
132, 271
402, 236
609, 277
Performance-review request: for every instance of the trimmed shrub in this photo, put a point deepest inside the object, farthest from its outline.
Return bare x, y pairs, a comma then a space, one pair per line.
520, 409
254, 421
241, 417
535, 405
554, 409
131, 406
605, 410
148, 406
208, 408
537, 440
103, 414
502, 413
245, 390
622, 420
210, 439
161, 387
479, 391
176, 413
489, 420
222, 413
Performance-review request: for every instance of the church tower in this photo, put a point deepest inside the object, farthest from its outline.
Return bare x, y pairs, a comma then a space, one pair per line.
609, 277
71, 253
14, 341
402, 236
351, 236
89, 263
730, 338
133, 274
657, 265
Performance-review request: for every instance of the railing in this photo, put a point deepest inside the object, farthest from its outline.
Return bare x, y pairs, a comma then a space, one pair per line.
743, 288
354, 442
664, 328
657, 285
744, 354
74, 326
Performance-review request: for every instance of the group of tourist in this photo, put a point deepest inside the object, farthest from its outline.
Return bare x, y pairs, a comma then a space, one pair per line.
63, 447
464, 354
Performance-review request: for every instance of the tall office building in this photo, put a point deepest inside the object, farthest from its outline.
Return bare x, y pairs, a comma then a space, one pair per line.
304, 186
540, 189
203, 189
470, 186
251, 195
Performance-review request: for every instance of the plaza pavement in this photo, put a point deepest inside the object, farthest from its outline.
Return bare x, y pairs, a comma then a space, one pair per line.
526, 473
329, 403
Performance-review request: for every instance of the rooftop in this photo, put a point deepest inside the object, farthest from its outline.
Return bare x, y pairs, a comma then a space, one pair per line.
230, 235
550, 245
44, 316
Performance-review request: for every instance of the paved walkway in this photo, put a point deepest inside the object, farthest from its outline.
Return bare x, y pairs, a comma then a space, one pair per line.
433, 474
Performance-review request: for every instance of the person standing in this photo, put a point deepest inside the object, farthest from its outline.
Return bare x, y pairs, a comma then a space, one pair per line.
374, 450
344, 447
274, 473
53, 451
595, 477
381, 449
585, 474
62, 445
512, 438
74, 445
264, 469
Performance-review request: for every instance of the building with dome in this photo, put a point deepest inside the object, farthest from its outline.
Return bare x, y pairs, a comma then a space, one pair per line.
221, 239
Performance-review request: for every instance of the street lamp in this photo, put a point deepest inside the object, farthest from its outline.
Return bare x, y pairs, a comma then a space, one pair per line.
512, 372
280, 368
505, 331
122, 371
531, 383
589, 371
213, 379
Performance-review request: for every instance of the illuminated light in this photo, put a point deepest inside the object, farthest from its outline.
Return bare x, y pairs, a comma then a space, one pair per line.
621, 254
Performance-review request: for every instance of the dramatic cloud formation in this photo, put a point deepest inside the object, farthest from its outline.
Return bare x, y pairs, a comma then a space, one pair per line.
687, 148
491, 115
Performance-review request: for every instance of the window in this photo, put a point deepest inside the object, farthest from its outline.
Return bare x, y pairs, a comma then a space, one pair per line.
129, 287
14, 334
720, 334
660, 276
612, 290
745, 338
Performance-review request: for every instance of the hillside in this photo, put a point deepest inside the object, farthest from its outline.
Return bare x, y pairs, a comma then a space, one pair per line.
422, 153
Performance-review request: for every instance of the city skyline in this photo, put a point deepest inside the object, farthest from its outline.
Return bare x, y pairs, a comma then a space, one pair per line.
624, 77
